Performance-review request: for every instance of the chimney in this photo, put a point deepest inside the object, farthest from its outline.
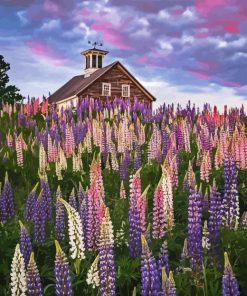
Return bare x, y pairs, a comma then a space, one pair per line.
93, 60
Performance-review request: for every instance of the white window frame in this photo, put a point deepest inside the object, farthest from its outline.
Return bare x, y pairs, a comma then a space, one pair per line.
106, 85
125, 93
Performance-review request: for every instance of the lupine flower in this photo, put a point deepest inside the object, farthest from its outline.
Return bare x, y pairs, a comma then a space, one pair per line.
34, 287
163, 260
62, 273
60, 217
82, 201
134, 216
72, 199
168, 284
107, 272
150, 283
25, 243
230, 202
7, 201
47, 197
92, 220
168, 199
159, 219
93, 274
19, 151
229, 281
214, 223
185, 252
31, 204
195, 230
122, 191
75, 232
18, 282
39, 220
205, 242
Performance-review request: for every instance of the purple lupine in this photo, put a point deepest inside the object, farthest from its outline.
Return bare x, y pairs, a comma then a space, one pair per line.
82, 200
40, 219
107, 273
229, 281
62, 273
7, 208
72, 199
195, 230
150, 282
34, 287
214, 223
137, 158
123, 169
230, 202
163, 259
30, 204
25, 243
60, 217
134, 217
46, 194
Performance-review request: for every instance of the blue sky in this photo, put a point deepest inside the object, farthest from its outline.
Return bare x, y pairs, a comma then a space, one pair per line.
179, 50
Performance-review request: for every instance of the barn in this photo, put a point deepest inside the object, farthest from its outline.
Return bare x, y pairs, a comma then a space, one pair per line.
100, 82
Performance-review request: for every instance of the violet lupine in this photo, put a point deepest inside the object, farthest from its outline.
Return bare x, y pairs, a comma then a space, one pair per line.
214, 223
168, 284
62, 273
134, 216
7, 207
195, 230
76, 236
72, 199
82, 201
150, 283
107, 273
163, 259
229, 281
60, 217
230, 202
40, 220
34, 287
137, 157
25, 243
92, 220
46, 194
18, 278
31, 204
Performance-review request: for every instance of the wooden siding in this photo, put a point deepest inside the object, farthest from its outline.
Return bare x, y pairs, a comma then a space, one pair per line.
116, 77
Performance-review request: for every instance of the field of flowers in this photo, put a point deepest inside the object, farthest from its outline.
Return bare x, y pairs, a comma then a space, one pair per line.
115, 198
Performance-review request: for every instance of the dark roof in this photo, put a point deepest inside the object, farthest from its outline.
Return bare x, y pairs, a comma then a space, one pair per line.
78, 84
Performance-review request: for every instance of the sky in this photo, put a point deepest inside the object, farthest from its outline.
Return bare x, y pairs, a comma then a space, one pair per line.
179, 50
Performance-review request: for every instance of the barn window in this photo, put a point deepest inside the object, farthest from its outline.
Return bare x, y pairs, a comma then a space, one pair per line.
125, 90
99, 61
106, 89
87, 62
94, 61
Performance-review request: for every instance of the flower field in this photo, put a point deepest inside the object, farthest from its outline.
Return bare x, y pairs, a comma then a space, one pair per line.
115, 198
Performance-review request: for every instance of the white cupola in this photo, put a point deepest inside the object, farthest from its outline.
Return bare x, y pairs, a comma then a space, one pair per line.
93, 60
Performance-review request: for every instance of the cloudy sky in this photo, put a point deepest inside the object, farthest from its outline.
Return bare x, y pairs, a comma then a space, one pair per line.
179, 50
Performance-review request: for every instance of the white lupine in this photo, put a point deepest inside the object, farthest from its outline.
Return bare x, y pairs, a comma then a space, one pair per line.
205, 242
42, 159
93, 274
168, 199
76, 236
18, 274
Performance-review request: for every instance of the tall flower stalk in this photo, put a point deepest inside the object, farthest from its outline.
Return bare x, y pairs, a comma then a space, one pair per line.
229, 281
7, 208
25, 243
34, 287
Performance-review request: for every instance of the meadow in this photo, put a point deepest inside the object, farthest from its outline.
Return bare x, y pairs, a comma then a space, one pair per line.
114, 198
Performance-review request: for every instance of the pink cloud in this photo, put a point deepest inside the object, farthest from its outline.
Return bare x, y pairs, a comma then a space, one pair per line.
204, 7
232, 28
201, 35
51, 6
199, 74
208, 64
232, 83
42, 50
110, 34
176, 11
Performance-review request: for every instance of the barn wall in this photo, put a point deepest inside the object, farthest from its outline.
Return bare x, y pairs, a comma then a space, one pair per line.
116, 77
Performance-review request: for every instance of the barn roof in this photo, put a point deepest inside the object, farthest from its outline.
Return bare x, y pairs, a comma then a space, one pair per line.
76, 85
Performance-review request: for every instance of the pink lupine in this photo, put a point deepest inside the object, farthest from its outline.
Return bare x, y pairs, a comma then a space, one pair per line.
96, 175
142, 204
205, 167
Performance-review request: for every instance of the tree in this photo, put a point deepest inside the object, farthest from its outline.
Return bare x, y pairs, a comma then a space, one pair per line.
8, 93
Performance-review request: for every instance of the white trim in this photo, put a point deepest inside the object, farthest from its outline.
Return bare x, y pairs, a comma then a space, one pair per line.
103, 88
124, 91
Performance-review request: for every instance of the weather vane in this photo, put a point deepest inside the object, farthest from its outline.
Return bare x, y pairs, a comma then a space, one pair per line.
95, 43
